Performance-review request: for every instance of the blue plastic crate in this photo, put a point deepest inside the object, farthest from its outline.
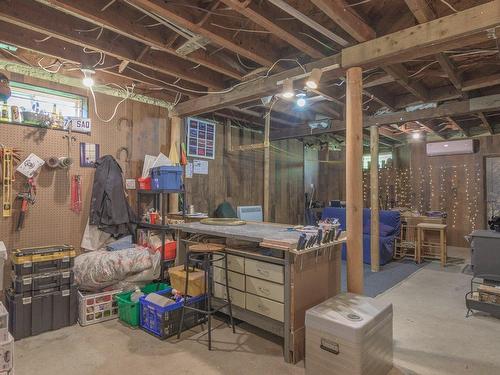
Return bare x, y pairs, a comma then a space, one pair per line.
163, 322
166, 178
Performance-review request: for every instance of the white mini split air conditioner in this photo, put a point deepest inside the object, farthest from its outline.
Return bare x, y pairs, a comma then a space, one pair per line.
462, 146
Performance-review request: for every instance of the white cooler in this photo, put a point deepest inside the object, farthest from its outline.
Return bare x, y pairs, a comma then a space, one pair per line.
349, 335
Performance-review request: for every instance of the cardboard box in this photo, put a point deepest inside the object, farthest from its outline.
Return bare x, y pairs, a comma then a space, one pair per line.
196, 280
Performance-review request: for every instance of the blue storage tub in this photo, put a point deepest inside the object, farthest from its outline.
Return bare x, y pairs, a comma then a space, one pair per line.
163, 322
166, 178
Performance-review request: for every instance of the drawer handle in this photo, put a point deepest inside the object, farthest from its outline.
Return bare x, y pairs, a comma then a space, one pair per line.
264, 290
262, 307
263, 272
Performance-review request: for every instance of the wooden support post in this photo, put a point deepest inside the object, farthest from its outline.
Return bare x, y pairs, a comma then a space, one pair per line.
228, 138
267, 128
375, 234
354, 179
175, 141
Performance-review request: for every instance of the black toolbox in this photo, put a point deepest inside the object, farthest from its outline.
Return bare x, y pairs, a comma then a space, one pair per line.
38, 282
44, 259
47, 311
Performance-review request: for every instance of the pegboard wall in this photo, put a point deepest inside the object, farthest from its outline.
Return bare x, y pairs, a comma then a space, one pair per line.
142, 128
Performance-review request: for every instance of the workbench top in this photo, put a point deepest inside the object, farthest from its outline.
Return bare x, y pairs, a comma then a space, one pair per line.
251, 231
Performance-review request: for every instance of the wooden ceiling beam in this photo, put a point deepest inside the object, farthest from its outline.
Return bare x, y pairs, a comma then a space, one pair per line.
264, 16
457, 125
283, 5
346, 18
121, 22
257, 51
458, 108
424, 13
57, 25
486, 123
411, 43
24, 38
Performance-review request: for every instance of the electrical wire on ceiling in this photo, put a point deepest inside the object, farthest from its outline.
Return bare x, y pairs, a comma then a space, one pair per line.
240, 29
128, 92
319, 41
208, 11
358, 3
100, 28
422, 69
449, 6
153, 24
102, 56
221, 91
42, 40
243, 64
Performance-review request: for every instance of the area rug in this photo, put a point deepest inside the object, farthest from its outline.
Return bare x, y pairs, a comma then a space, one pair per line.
389, 275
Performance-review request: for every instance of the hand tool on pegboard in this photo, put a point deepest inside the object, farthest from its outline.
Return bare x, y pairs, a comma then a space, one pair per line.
76, 193
28, 197
8, 155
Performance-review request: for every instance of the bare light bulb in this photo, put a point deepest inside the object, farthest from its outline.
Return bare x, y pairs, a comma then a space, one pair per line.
288, 89
301, 102
88, 81
415, 135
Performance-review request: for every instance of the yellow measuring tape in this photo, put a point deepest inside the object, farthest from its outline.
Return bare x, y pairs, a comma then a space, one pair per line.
8, 173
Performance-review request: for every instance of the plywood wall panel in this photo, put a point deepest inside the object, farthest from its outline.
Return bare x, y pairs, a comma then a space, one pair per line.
50, 220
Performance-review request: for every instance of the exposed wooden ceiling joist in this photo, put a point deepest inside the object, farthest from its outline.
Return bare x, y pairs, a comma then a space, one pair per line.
57, 25
462, 107
400, 74
424, 13
264, 16
240, 44
457, 125
485, 122
463, 28
121, 22
283, 5
24, 38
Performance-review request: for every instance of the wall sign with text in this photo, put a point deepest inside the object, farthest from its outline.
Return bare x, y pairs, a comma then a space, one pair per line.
201, 138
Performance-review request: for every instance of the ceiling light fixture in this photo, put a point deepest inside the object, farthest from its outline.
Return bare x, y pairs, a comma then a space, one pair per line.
87, 80
416, 135
301, 100
313, 80
287, 89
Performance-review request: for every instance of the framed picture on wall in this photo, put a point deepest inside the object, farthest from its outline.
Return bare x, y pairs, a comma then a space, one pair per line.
200, 138
89, 153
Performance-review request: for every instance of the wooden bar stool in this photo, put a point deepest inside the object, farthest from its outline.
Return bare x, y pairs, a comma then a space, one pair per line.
206, 254
425, 249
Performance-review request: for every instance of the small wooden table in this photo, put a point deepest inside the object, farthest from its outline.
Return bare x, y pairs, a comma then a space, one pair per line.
428, 249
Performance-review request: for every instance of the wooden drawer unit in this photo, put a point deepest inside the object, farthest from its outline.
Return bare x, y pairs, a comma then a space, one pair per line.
263, 270
236, 280
264, 306
237, 297
265, 289
234, 263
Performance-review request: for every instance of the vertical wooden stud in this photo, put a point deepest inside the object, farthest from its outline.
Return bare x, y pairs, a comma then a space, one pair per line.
267, 128
354, 179
375, 234
175, 141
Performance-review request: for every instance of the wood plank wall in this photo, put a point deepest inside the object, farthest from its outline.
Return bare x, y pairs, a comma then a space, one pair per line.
436, 183
237, 177
50, 220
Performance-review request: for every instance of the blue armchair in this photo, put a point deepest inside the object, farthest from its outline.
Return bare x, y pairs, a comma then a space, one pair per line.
390, 225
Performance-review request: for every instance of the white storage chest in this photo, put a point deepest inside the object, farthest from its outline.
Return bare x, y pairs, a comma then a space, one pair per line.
349, 335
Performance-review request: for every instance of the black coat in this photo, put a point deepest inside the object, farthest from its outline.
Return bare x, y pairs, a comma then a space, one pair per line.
109, 208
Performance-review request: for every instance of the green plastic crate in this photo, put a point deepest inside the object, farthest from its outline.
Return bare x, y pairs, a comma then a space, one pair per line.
128, 311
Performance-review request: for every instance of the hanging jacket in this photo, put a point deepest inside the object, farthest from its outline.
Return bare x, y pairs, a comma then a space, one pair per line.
109, 208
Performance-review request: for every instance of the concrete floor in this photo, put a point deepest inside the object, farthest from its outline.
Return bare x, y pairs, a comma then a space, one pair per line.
431, 336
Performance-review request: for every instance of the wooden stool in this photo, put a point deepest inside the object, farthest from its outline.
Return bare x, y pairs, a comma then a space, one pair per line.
209, 253
421, 246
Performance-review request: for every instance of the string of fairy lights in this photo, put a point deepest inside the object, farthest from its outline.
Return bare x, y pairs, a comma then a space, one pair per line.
452, 189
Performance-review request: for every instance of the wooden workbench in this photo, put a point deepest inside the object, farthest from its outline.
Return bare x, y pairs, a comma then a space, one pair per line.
309, 276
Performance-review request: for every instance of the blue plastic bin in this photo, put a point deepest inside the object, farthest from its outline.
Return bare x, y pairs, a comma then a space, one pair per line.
163, 322
166, 178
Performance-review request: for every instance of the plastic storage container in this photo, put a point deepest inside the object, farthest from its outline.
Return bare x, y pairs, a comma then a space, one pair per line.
29, 316
166, 178
42, 259
163, 322
37, 282
128, 311
97, 307
349, 335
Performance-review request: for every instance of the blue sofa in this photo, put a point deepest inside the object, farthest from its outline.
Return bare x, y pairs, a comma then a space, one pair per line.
390, 225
